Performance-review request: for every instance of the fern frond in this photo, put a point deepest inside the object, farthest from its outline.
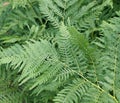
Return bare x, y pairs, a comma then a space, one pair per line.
70, 54
73, 92
9, 90
81, 91
23, 19
75, 11
108, 68
31, 68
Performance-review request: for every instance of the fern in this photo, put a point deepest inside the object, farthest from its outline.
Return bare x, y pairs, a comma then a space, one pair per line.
59, 51
110, 69
67, 61
9, 90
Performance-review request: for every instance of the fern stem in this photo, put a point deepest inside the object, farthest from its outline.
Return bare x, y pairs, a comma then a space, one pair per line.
95, 70
115, 66
102, 90
116, 101
115, 71
97, 100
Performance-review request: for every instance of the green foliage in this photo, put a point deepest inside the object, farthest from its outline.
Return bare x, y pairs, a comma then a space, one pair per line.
59, 51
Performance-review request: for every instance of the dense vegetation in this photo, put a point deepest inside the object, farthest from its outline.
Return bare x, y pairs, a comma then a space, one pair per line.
59, 51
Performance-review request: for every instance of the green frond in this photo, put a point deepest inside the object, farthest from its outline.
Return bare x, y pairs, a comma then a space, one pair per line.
81, 91
108, 62
70, 53
21, 58
9, 90
76, 11
73, 92
45, 7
